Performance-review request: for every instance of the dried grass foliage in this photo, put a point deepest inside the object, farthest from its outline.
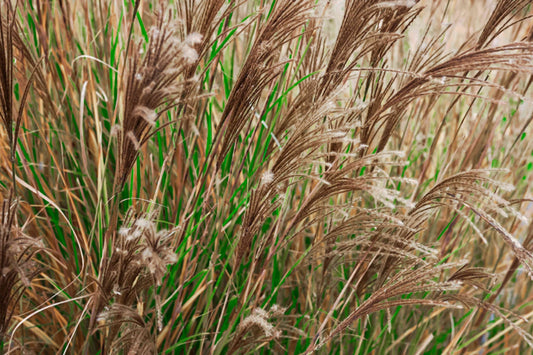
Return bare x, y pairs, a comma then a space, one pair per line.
253, 176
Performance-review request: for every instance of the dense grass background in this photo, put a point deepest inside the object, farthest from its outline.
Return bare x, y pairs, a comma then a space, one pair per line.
266, 176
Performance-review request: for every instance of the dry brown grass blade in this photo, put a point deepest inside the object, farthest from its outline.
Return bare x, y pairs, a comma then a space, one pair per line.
7, 20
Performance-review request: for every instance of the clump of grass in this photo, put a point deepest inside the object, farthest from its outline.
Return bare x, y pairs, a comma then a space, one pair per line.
266, 176
17, 249
152, 84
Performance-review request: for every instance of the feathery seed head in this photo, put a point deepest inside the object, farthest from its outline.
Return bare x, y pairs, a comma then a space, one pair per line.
267, 177
131, 136
189, 54
194, 39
